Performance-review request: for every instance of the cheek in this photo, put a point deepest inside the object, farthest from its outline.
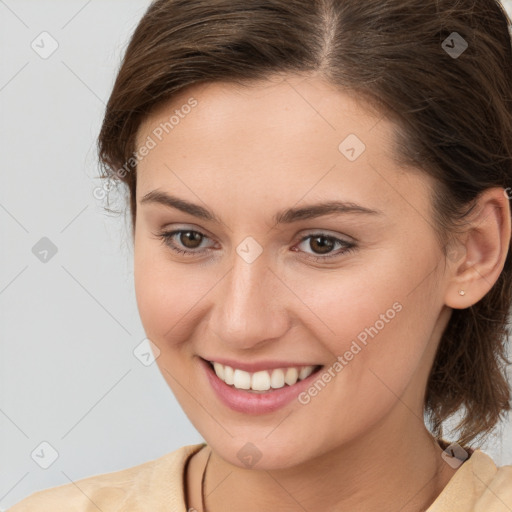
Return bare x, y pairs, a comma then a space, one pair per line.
165, 293
173, 298
373, 319
346, 304
378, 353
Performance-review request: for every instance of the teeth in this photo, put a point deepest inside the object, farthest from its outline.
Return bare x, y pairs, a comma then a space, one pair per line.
219, 370
291, 376
277, 379
228, 375
241, 379
305, 372
262, 380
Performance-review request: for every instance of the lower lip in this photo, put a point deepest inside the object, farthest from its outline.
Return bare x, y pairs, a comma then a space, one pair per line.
255, 403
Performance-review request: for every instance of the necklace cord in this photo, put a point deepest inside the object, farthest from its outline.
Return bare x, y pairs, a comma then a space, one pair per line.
203, 480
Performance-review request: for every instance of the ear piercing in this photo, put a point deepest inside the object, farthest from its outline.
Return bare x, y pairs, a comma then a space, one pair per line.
462, 292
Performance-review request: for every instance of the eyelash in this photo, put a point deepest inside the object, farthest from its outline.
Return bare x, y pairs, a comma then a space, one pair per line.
167, 236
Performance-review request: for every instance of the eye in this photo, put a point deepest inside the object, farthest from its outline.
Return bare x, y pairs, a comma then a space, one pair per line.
188, 238
188, 241
324, 244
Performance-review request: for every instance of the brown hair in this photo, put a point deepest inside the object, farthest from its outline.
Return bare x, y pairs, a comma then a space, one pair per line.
453, 116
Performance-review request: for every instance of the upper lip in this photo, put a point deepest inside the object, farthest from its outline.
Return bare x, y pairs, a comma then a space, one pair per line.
256, 366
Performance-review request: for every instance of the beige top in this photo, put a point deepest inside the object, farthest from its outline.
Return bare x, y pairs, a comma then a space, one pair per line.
158, 486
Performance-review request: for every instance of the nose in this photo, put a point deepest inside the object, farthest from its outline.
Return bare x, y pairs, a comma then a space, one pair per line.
251, 305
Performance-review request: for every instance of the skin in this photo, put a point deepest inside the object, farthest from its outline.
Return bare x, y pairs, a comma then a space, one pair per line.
245, 154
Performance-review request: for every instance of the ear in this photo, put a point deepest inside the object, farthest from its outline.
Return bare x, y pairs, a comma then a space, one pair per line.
480, 257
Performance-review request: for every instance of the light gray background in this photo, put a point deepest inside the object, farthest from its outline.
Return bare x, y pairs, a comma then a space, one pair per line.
68, 326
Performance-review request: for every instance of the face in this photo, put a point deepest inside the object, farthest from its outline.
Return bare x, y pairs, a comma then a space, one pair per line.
270, 280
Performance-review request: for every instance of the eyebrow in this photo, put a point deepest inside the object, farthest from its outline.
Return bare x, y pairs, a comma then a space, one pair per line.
286, 216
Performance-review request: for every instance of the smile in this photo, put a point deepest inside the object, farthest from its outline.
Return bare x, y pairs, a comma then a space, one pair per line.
263, 380
257, 392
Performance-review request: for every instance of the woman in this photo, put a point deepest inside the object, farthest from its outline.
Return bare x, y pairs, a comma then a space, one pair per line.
320, 204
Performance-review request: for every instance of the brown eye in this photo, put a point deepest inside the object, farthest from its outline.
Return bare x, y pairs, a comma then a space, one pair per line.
190, 239
321, 244
323, 247
185, 241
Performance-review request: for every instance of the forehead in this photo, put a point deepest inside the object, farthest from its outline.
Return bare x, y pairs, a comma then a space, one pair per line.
303, 104
285, 138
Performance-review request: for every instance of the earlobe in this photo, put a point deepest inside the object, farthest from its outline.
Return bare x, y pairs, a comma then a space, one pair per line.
486, 245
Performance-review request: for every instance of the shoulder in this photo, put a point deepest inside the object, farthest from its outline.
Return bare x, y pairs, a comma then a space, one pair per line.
478, 485
493, 485
148, 486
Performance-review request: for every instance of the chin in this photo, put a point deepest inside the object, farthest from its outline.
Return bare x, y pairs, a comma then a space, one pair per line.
262, 454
